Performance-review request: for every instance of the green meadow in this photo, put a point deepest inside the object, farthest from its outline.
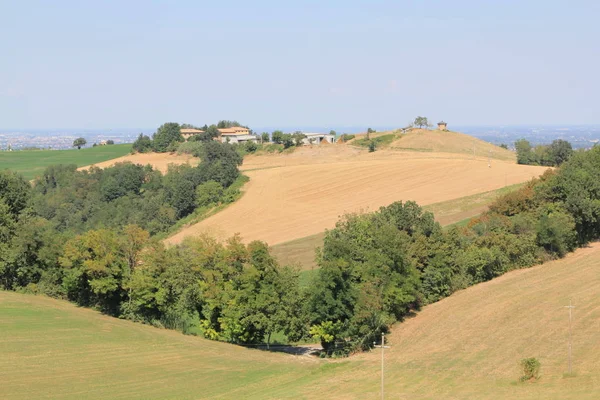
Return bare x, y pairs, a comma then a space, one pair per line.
31, 163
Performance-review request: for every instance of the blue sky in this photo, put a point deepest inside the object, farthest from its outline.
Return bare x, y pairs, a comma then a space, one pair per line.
130, 64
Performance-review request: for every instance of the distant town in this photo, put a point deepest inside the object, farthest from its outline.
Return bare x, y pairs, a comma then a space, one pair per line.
580, 136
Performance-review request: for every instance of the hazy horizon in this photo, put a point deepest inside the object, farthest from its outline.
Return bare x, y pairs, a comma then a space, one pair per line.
122, 65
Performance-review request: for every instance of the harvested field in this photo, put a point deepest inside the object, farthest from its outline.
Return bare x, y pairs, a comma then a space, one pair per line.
159, 161
304, 193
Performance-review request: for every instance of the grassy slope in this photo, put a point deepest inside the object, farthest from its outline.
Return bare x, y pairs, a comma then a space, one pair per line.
52, 349
32, 163
302, 251
464, 347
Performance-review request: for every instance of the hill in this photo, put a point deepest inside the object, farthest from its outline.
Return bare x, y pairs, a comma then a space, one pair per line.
31, 163
291, 196
463, 347
450, 142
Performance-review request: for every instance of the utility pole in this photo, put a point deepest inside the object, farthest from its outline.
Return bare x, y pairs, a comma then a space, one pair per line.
382, 347
570, 307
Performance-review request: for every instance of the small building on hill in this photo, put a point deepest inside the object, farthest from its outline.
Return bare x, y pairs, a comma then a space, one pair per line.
189, 132
442, 126
236, 134
318, 138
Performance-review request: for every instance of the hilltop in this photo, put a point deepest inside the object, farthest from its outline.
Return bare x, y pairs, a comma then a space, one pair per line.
465, 346
450, 142
436, 141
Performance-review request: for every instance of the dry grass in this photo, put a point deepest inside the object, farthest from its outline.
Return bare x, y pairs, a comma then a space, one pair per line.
468, 346
303, 193
451, 142
301, 252
464, 347
159, 161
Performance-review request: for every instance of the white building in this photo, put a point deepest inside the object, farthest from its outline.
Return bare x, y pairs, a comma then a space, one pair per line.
318, 138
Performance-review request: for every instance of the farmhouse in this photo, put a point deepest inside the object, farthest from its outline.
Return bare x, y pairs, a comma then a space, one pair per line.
442, 126
236, 134
318, 138
189, 132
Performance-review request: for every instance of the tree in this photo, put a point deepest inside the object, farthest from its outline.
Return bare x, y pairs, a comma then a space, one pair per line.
524, 152
287, 140
504, 146
421, 122
333, 133
372, 146
208, 193
109, 142
79, 142
298, 137
165, 136
560, 151
277, 137
264, 137
142, 144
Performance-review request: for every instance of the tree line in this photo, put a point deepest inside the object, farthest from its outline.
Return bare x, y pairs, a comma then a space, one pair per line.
375, 269
551, 155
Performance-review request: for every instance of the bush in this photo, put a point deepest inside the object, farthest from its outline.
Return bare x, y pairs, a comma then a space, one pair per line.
143, 144
250, 146
191, 147
372, 146
208, 193
531, 369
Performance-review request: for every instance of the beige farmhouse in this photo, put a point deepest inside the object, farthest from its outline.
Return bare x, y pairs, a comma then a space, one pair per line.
442, 126
189, 132
236, 134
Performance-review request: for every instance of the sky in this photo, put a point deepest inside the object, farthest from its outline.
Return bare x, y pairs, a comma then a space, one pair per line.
131, 64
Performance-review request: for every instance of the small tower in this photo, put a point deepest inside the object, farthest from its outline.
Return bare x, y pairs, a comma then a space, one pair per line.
442, 126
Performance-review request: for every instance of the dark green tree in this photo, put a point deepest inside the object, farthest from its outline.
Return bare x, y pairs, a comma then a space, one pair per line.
524, 152
165, 136
79, 142
142, 144
277, 137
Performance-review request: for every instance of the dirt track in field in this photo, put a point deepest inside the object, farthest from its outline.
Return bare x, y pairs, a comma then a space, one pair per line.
295, 195
159, 161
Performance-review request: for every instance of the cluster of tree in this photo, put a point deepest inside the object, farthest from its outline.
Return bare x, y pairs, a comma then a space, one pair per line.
375, 269
168, 136
75, 201
551, 155
288, 139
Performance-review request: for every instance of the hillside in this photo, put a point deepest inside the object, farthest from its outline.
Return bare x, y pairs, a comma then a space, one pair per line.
464, 347
450, 142
31, 163
160, 161
303, 193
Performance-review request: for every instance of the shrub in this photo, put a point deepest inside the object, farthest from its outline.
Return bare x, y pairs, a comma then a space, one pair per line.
208, 193
372, 146
192, 147
143, 144
531, 369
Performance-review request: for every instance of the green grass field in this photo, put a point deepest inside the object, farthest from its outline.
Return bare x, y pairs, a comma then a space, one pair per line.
301, 251
467, 346
31, 163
